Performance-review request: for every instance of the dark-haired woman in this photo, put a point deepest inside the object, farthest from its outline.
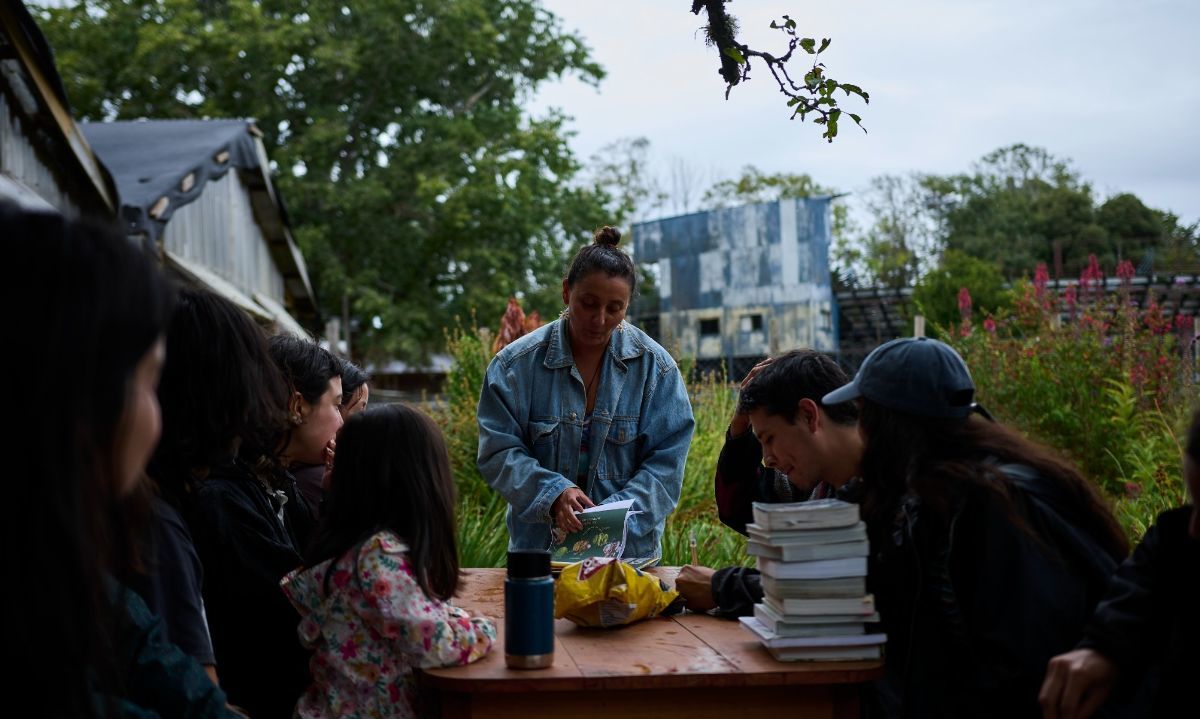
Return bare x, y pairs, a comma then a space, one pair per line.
586, 410
76, 642
375, 594
213, 467
989, 553
312, 478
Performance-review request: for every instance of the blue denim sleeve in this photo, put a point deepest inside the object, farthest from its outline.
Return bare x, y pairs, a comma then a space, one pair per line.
667, 425
504, 459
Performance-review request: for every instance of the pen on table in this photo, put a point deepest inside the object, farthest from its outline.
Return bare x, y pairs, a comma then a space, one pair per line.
692, 544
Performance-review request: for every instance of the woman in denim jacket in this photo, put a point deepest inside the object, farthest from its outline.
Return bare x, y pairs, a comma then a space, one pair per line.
586, 410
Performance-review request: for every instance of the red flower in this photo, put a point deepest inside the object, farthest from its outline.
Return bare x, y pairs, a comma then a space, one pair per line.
1040, 278
964, 302
989, 324
1125, 270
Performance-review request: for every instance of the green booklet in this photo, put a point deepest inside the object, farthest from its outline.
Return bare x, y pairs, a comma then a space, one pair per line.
602, 535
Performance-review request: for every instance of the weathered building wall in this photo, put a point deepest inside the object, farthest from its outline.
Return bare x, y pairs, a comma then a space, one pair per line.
743, 282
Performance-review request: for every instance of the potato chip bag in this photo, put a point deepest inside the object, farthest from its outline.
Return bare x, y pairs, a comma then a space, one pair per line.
606, 592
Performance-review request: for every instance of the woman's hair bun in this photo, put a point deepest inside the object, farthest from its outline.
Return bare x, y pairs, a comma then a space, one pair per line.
607, 235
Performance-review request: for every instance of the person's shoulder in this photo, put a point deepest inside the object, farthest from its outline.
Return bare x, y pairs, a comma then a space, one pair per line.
539, 339
1171, 527
638, 343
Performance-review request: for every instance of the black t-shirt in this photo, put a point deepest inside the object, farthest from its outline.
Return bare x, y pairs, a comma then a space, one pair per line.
172, 588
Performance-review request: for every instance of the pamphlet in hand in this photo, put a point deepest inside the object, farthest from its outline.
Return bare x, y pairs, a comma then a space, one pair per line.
602, 535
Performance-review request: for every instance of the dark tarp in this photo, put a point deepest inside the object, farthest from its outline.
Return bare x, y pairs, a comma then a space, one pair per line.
150, 159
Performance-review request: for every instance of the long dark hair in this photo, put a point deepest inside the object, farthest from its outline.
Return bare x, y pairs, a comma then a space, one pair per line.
94, 305
219, 389
940, 459
392, 472
353, 378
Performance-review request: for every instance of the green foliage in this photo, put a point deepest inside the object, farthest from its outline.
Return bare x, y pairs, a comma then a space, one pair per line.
936, 294
1109, 387
1022, 206
418, 185
1019, 206
814, 96
482, 537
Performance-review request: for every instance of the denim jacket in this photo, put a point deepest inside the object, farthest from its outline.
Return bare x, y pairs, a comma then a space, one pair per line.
531, 415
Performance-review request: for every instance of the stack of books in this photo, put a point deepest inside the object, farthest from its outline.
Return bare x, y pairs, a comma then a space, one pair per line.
813, 559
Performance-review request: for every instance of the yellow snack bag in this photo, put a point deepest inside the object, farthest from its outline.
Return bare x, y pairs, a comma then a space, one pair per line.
606, 592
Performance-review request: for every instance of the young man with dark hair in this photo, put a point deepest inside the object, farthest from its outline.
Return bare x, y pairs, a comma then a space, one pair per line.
798, 449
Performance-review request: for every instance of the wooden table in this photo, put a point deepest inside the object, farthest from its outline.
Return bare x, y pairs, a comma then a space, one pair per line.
690, 665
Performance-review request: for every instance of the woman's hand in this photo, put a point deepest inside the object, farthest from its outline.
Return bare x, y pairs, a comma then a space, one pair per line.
739, 423
563, 510
1076, 685
329, 451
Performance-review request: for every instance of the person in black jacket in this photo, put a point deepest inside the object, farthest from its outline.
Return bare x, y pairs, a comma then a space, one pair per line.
988, 552
817, 448
205, 424
1149, 619
76, 642
249, 522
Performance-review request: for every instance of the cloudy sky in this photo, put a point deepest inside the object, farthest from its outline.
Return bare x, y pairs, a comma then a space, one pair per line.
1111, 85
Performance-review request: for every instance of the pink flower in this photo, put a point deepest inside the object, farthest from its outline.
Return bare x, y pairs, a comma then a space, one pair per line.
989, 324
1040, 278
1125, 270
1133, 489
964, 302
349, 650
341, 578
380, 588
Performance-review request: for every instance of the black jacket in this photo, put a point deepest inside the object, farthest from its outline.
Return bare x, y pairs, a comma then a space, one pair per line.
974, 605
246, 548
1149, 618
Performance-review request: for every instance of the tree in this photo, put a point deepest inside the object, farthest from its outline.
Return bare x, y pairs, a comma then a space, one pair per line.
937, 294
813, 95
1020, 207
418, 185
621, 168
904, 237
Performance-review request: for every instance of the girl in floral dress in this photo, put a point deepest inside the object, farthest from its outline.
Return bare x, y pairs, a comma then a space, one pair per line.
374, 595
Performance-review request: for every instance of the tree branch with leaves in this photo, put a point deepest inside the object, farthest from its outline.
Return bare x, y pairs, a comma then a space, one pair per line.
813, 95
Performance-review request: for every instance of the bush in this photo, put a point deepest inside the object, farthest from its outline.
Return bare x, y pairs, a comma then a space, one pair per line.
1105, 381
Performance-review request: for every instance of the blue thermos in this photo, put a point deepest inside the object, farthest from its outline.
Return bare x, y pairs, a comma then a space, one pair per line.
529, 611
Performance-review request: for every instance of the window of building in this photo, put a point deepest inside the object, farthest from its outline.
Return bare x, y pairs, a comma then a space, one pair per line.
751, 323
710, 327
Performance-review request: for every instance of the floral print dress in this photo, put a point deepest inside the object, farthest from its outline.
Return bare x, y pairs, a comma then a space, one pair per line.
372, 628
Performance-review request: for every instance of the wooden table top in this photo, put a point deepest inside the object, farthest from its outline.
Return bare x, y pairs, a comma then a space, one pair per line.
686, 650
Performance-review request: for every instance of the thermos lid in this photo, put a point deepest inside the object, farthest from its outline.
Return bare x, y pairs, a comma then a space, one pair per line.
528, 564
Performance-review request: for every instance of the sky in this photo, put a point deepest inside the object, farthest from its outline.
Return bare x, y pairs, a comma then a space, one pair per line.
1110, 85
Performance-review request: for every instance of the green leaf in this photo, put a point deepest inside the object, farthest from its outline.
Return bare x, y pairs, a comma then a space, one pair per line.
774, 25
809, 45
736, 54
827, 101
824, 44
829, 86
793, 101
791, 24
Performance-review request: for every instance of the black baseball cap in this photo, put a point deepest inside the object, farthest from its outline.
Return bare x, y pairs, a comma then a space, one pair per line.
914, 375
